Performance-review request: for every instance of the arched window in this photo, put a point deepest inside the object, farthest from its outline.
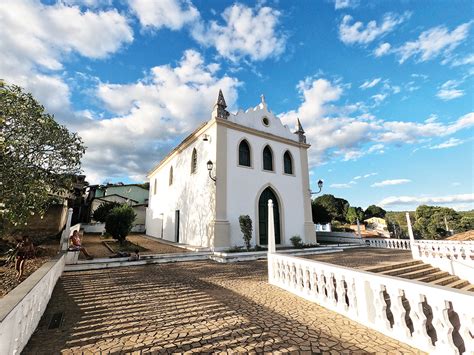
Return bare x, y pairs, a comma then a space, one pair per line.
154, 187
194, 161
244, 153
171, 176
287, 163
267, 159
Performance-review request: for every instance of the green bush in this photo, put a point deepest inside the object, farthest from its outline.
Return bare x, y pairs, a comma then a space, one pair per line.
296, 241
119, 222
101, 213
246, 228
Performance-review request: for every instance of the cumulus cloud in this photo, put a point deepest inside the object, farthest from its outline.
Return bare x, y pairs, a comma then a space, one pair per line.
357, 33
340, 186
246, 32
344, 4
419, 200
172, 14
335, 134
434, 42
370, 83
34, 47
451, 142
390, 182
382, 49
151, 116
449, 90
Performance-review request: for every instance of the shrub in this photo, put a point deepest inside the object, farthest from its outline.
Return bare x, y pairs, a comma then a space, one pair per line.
101, 213
246, 228
119, 222
296, 241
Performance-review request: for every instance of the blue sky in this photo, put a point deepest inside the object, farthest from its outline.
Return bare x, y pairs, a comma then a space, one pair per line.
383, 90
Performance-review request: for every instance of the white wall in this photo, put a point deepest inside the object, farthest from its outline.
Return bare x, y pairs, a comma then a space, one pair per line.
192, 194
246, 184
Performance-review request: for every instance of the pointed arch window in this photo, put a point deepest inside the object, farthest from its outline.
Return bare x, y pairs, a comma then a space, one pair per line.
194, 161
267, 158
171, 177
244, 153
288, 163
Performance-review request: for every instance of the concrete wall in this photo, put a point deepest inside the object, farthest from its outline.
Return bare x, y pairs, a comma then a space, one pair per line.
192, 194
52, 222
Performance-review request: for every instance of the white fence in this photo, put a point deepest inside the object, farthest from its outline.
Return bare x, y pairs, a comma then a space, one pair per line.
22, 308
431, 318
388, 243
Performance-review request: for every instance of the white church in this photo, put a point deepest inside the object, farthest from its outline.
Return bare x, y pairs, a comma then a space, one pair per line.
230, 166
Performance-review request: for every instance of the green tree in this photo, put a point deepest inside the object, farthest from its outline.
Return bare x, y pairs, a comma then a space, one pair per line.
320, 214
354, 213
434, 222
38, 156
101, 213
119, 222
246, 227
374, 211
335, 207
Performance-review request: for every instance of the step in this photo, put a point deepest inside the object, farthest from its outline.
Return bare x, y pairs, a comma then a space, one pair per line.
435, 276
394, 266
419, 273
468, 288
407, 269
459, 284
446, 280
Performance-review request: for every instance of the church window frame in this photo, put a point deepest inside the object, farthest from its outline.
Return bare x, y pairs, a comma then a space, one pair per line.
240, 152
288, 163
194, 161
170, 178
155, 186
265, 121
265, 160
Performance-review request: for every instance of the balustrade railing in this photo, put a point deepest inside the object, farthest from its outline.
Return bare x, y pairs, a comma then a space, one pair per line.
428, 317
388, 243
453, 250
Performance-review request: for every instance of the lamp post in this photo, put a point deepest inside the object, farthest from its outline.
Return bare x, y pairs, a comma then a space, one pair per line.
162, 221
210, 165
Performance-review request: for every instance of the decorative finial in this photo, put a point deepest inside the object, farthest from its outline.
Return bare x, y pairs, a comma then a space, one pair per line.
300, 132
220, 107
262, 98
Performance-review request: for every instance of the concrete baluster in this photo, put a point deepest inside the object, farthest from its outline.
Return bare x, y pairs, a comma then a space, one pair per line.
399, 312
420, 334
381, 318
444, 328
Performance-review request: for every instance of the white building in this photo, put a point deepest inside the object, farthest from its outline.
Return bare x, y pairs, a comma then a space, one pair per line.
255, 158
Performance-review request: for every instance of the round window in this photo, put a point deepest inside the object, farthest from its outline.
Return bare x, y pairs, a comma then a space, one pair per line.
265, 121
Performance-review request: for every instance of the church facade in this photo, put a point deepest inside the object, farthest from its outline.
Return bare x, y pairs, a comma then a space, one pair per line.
252, 158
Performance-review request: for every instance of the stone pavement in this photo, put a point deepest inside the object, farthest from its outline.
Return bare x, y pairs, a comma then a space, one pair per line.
194, 306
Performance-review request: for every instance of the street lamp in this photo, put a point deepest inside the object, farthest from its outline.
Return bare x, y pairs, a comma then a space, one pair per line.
209, 168
320, 185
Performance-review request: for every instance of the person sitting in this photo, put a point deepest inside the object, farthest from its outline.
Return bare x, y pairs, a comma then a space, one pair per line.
76, 245
26, 250
135, 256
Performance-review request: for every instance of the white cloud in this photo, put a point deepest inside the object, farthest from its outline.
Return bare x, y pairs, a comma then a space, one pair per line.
449, 90
340, 186
36, 45
357, 32
435, 200
247, 32
467, 60
451, 142
378, 98
391, 182
370, 174
370, 83
434, 42
344, 4
172, 14
151, 116
383, 49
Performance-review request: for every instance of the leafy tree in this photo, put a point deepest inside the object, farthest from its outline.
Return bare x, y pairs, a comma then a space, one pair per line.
320, 214
434, 222
119, 222
246, 227
335, 207
374, 211
101, 213
38, 156
354, 213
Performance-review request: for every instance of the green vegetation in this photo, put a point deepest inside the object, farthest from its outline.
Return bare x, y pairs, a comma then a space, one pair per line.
246, 227
101, 213
39, 157
296, 241
119, 222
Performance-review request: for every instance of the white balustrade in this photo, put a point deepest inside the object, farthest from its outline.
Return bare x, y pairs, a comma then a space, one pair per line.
431, 318
453, 250
403, 244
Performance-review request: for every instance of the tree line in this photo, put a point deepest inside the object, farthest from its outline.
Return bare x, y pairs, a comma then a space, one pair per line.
429, 222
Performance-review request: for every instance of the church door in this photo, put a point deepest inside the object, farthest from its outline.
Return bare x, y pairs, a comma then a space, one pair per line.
266, 195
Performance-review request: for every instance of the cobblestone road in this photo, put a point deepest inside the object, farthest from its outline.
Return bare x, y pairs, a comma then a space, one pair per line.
194, 306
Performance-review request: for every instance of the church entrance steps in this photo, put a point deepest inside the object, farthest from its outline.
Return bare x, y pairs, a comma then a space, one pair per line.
419, 271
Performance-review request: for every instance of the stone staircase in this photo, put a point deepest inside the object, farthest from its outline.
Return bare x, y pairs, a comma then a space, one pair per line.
419, 271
